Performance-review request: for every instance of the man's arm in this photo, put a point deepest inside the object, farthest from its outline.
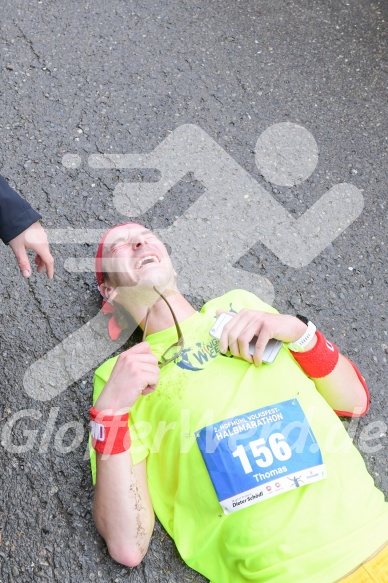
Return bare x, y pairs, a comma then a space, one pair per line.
20, 229
123, 511
16, 214
343, 388
122, 507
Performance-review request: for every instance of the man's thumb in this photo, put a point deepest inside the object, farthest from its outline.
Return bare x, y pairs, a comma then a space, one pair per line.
24, 264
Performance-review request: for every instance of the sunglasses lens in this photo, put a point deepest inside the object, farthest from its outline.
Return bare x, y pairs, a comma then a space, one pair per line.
171, 354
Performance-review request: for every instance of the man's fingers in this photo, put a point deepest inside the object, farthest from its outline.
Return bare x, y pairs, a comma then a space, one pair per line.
33, 238
48, 263
141, 348
149, 389
243, 346
50, 269
261, 343
150, 373
45, 260
138, 355
22, 259
39, 264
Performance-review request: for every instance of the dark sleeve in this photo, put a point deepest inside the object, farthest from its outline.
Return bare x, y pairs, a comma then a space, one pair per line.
16, 214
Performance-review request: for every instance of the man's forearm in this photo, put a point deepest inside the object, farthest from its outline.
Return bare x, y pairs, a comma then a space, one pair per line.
122, 507
343, 390
335, 377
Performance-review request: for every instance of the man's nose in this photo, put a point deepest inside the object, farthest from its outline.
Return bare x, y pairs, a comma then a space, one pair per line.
138, 241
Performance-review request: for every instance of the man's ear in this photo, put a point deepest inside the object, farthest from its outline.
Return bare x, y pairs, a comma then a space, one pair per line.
107, 291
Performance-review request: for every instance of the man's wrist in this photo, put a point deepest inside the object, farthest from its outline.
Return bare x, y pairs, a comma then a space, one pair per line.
310, 344
307, 339
109, 433
107, 403
320, 360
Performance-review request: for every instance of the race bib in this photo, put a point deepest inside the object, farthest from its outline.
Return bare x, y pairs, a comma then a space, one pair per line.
257, 455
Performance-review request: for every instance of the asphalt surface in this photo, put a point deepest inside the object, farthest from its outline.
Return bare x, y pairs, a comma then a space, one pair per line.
97, 77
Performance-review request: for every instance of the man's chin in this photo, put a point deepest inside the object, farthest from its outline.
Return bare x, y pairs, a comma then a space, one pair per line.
148, 281
160, 281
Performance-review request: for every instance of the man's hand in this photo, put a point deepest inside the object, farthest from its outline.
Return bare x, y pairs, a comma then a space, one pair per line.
135, 373
238, 333
33, 238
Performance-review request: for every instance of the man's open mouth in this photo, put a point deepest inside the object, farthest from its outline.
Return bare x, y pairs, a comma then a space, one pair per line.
146, 260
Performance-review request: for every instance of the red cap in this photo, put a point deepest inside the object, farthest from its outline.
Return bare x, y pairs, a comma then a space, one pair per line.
113, 328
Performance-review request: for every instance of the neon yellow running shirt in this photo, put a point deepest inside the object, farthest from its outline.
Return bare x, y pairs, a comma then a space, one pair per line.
315, 533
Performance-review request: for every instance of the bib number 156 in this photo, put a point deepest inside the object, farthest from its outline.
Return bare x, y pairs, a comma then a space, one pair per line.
264, 454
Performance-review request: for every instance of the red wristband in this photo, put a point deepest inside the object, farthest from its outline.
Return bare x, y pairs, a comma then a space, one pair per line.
110, 433
320, 360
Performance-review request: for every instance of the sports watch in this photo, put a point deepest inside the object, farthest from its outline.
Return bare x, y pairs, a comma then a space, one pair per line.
300, 344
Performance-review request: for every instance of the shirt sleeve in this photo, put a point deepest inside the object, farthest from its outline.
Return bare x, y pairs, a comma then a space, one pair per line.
16, 214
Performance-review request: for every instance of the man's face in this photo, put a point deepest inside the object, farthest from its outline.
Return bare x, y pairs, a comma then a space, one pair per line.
133, 257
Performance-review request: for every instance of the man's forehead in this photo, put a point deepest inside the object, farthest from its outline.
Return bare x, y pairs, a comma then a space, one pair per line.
124, 232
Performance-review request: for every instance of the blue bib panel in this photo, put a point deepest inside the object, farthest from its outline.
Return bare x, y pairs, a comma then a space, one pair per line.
260, 454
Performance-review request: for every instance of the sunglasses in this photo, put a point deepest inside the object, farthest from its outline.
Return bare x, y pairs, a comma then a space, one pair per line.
175, 349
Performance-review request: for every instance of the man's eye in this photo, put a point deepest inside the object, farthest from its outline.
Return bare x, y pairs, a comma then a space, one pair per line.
118, 246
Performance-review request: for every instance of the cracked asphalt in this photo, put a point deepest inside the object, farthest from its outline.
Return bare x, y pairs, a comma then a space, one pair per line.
97, 77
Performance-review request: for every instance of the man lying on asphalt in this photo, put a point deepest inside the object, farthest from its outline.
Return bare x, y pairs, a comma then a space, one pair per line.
246, 464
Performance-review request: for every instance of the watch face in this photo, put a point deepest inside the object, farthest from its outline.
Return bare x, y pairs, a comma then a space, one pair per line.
303, 319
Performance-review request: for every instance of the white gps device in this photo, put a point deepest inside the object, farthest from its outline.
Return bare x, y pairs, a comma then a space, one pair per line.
270, 351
